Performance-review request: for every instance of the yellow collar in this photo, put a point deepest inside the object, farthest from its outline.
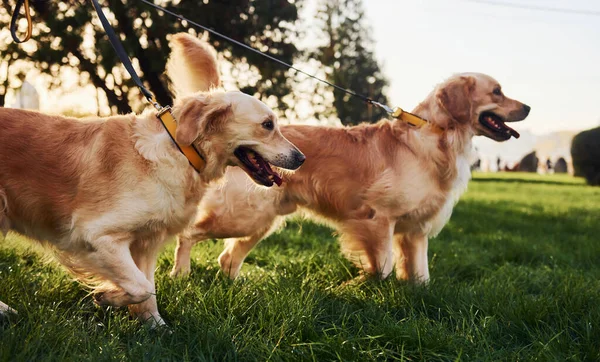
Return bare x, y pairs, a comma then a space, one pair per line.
414, 120
190, 152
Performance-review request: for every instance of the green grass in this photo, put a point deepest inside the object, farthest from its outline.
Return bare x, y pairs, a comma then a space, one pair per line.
515, 276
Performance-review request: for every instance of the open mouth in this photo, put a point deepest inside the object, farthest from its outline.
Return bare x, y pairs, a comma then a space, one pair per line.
495, 124
256, 167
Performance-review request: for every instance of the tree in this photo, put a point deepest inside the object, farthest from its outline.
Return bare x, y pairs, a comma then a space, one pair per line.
67, 34
351, 61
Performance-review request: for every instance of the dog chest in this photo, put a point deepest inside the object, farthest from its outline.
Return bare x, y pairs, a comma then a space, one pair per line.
459, 186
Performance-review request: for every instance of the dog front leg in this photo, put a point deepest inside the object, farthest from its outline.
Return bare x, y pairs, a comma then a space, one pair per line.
145, 255
111, 261
411, 257
236, 250
185, 241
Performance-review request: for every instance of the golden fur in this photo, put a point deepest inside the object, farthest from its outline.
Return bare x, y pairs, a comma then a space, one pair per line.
106, 193
386, 187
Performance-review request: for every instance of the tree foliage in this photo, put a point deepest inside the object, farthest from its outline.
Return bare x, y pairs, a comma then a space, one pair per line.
585, 152
68, 34
351, 61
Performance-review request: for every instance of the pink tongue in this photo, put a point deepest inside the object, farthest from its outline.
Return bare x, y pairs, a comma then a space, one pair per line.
270, 171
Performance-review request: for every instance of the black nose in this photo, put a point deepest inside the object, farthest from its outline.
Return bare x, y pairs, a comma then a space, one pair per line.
526, 109
300, 158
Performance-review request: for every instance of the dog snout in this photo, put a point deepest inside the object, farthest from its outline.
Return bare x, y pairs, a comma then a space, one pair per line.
298, 158
290, 160
526, 110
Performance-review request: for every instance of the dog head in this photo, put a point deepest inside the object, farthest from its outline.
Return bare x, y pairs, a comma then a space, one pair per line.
476, 101
238, 129
229, 127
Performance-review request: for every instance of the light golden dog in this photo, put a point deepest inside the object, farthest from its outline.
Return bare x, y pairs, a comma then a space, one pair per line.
386, 187
106, 193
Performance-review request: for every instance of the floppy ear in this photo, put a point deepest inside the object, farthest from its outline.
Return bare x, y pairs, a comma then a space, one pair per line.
188, 122
199, 118
455, 98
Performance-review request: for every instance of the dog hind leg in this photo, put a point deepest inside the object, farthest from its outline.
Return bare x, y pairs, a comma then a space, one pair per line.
4, 227
368, 244
4, 223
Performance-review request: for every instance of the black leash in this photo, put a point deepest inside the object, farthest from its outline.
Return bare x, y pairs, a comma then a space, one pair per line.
116, 44
164, 113
214, 32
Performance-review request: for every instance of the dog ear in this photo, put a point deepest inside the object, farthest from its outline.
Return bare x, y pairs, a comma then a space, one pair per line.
199, 118
455, 98
188, 122
214, 118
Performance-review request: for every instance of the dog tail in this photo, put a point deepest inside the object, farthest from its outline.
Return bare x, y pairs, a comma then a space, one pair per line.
192, 66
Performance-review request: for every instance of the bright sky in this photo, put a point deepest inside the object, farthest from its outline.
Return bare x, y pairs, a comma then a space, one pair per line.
549, 60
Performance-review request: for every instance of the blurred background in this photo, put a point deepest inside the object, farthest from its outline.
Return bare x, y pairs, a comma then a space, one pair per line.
544, 53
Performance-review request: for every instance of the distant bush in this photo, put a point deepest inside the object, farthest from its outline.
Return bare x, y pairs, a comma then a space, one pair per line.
561, 166
585, 151
529, 163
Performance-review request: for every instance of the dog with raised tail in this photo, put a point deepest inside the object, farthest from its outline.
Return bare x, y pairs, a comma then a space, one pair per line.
106, 193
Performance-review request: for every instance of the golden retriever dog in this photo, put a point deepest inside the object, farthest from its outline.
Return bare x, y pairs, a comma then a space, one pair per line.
386, 187
106, 193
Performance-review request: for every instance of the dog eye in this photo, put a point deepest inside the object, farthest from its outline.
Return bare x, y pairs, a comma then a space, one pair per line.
268, 125
497, 91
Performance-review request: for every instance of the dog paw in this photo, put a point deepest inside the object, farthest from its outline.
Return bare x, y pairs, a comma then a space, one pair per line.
230, 267
180, 272
119, 298
153, 321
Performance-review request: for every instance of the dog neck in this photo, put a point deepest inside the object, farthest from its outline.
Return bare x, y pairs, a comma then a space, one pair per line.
454, 144
457, 138
155, 145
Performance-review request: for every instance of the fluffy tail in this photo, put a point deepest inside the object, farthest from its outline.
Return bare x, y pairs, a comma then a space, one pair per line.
192, 65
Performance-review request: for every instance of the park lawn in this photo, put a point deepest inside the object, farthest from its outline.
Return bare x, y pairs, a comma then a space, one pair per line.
515, 276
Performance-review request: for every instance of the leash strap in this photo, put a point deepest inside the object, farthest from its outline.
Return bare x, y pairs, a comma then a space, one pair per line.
116, 44
287, 65
15, 18
164, 113
397, 113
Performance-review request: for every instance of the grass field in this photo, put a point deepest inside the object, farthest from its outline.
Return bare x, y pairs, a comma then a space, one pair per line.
515, 276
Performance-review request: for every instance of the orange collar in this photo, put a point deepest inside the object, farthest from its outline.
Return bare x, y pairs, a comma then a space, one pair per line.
190, 152
415, 120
